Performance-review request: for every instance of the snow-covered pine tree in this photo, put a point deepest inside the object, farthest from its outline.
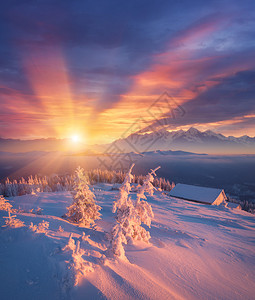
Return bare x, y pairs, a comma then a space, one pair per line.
4, 204
83, 211
129, 216
117, 241
1, 189
172, 185
8, 189
142, 207
123, 206
122, 203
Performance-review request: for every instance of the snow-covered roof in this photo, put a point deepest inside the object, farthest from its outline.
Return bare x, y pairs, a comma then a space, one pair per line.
233, 205
196, 193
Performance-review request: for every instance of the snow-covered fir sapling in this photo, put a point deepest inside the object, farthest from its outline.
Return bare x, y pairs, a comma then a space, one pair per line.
40, 228
32, 227
122, 206
83, 211
118, 239
142, 207
71, 244
4, 204
12, 222
60, 229
39, 211
129, 216
79, 266
85, 237
128, 227
43, 227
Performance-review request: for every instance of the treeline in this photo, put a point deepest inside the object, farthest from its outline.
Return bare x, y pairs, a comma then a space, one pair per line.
245, 204
58, 183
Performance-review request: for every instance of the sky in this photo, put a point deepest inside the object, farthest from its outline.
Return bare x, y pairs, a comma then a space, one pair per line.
94, 69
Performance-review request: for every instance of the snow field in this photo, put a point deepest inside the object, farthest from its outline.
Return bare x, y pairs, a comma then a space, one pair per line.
196, 252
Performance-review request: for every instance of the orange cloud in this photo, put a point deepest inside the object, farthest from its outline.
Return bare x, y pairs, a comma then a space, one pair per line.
179, 70
47, 73
54, 110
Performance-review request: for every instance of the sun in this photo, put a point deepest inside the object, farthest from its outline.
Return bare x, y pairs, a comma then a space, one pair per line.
75, 138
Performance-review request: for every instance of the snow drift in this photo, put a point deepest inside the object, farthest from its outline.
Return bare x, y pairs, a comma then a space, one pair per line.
195, 252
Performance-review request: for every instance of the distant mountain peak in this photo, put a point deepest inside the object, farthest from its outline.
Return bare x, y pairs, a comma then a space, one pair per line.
193, 131
192, 140
209, 131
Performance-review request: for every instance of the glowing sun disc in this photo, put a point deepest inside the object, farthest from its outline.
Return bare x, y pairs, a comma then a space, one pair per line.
75, 138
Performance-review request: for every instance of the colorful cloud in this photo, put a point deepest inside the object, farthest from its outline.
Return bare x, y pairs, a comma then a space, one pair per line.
94, 68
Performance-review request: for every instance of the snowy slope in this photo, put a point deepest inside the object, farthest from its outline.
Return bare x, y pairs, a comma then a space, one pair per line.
196, 252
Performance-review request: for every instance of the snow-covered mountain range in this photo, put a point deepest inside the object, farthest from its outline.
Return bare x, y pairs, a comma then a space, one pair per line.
190, 140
